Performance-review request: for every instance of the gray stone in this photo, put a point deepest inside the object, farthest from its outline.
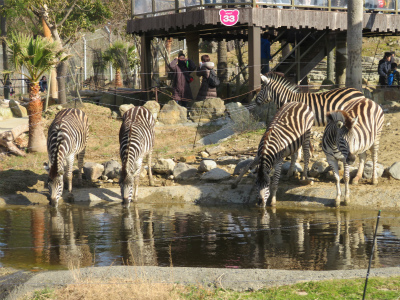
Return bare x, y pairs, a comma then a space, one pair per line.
215, 149
164, 166
207, 165
216, 175
237, 112
207, 110
153, 107
297, 167
368, 170
17, 110
319, 167
184, 171
241, 165
92, 170
204, 154
124, 108
112, 169
394, 170
227, 160
216, 137
173, 113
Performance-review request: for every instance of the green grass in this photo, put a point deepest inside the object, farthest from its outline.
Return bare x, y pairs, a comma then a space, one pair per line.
46, 293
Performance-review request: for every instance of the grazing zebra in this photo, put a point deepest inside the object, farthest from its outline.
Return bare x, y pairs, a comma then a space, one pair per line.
349, 132
67, 137
136, 139
289, 130
279, 90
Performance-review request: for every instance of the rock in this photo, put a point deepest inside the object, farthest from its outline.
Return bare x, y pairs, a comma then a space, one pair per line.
188, 159
218, 136
112, 169
237, 112
368, 170
17, 110
207, 110
5, 112
173, 113
164, 166
215, 149
92, 170
204, 154
216, 174
124, 108
319, 167
153, 107
241, 165
297, 167
207, 165
184, 171
394, 170
59, 107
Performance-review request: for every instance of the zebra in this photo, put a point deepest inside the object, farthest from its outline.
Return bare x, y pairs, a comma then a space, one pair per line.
67, 137
289, 130
136, 139
352, 132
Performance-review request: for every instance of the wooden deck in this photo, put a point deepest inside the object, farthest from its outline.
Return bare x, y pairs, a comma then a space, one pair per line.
207, 20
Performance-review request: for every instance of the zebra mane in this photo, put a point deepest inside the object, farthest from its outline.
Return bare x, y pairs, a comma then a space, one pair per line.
280, 79
53, 172
340, 115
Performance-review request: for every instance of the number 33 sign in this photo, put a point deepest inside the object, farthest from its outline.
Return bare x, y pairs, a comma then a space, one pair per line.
229, 17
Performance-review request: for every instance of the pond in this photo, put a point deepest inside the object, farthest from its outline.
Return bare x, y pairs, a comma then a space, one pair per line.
40, 237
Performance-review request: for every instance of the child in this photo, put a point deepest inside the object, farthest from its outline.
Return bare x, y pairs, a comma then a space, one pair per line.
393, 76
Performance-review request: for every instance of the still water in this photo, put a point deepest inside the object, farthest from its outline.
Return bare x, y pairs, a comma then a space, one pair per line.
195, 236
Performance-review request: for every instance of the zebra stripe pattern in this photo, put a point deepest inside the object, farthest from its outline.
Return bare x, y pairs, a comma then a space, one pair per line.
136, 139
289, 130
352, 132
67, 137
279, 90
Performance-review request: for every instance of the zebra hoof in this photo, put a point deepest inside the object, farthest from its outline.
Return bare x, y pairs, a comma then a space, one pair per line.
355, 180
374, 181
347, 201
337, 202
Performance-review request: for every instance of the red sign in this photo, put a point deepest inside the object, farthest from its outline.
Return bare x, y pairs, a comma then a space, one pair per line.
229, 17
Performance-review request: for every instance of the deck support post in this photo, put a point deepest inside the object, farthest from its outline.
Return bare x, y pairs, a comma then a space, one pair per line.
145, 65
330, 72
192, 43
254, 59
341, 59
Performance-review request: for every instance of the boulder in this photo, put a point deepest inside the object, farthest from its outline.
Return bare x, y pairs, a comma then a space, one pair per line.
241, 165
183, 171
237, 112
207, 110
153, 107
164, 166
207, 165
173, 113
124, 108
394, 170
297, 167
319, 167
368, 170
215, 149
17, 110
216, 174
92, 170
227, 160
217, 137
204, 154
112, 169
5, 112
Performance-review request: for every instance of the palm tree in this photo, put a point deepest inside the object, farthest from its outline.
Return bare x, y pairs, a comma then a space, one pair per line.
38, 55
122, 56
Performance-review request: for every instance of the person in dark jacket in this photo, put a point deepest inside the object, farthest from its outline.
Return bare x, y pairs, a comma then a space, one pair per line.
182, 67
205, 91
43, 84
265, 53
384, 68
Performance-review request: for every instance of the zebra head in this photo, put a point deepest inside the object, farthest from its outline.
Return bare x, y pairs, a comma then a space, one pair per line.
344, 134
126, 183
55, 183
264, 95
263, 183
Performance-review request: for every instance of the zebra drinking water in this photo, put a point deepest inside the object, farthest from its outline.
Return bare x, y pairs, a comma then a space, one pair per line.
289, 130
136, 139
67, 137
350, 132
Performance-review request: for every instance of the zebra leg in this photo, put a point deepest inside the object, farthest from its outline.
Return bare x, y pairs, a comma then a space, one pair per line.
151, 182
346, 177
81, 155
275, 180
306, 148
136, 186
360, 171
244, 171
70, 163
290, 172
298, 158
374, 149
333, 163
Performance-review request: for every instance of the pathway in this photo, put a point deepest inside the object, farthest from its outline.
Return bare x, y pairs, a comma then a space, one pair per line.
9, 124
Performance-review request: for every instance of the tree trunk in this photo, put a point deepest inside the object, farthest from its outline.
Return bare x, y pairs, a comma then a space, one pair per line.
37, 139
61, 74
222, 61
354, 44
7, 139
53, 83
118, 78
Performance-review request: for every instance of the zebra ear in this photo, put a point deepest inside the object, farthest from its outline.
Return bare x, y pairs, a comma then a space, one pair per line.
339, 124
264, 79
354, 122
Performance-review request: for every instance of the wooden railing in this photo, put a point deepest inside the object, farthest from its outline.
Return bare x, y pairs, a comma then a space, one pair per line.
159, 7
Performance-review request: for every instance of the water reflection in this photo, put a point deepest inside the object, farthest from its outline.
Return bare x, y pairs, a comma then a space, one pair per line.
192, 236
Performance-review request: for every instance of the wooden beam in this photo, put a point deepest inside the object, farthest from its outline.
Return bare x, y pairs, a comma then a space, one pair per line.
254, 58
145, 65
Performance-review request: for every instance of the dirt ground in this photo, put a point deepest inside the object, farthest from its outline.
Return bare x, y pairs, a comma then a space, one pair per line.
19, 174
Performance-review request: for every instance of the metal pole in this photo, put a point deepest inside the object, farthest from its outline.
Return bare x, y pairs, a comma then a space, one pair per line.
109, 40
84, 59
22, 81
372, 253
